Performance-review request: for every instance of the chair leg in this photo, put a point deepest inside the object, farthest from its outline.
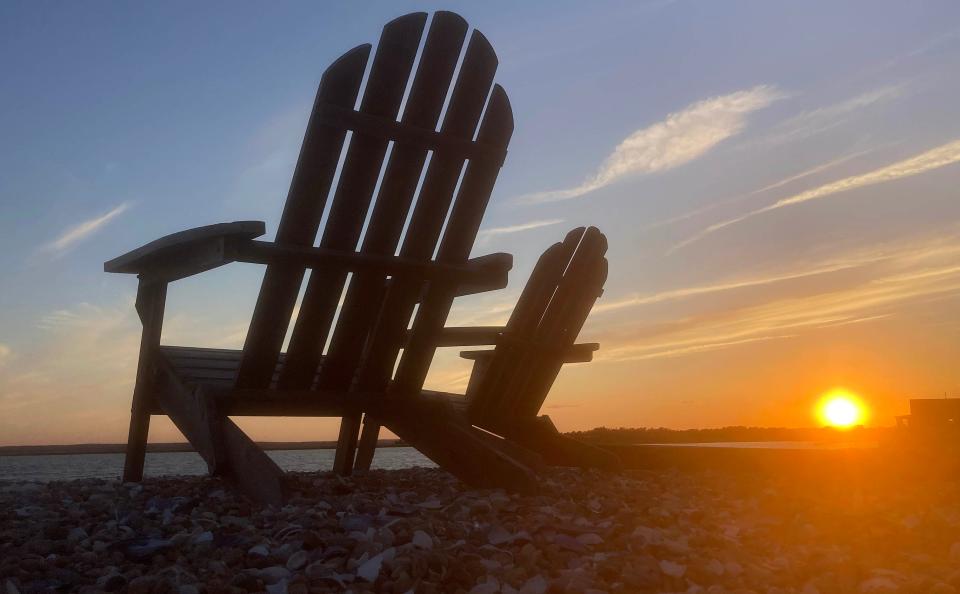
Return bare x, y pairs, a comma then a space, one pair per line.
136, 445
347, 444
368, 444
151, 298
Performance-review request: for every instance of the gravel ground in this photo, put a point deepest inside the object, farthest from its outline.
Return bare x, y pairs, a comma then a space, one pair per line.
418, 530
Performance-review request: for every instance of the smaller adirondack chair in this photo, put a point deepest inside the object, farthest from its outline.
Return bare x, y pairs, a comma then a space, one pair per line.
510, 382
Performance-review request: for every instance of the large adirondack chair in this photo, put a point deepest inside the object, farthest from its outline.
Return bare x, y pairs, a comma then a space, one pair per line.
426, 174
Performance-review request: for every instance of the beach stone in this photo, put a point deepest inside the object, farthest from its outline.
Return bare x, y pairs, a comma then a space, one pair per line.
188, 589
535, 585
422, 540
77, 534
274, 574
369, 570
878, 585
144, 584
317, 570
489, 586
258, 551
297, 560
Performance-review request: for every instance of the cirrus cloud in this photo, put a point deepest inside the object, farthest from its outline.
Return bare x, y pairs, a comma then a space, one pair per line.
82, 230
935, 158
680, 138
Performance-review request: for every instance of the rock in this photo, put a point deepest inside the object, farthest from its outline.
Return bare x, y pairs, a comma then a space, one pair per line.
297, 560
672, 569
369, 570
422, 540
535, 585
112, 582
188, 589
274, 574
317, 570
589, 539
490, 586
878, 585
203, 538
278, 588
143, 584
258, 551
144, 548
77, 534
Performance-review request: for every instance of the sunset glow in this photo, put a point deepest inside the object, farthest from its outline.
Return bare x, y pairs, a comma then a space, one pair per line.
841, 409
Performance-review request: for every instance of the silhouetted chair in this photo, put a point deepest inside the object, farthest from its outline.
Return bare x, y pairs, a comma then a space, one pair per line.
360, 298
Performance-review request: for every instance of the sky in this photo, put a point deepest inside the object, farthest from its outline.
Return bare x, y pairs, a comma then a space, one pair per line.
777, 181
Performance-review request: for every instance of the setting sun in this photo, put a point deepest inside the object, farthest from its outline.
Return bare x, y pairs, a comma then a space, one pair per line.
842, 409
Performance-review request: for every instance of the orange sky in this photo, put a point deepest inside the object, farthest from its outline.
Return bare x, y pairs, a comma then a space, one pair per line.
782, 215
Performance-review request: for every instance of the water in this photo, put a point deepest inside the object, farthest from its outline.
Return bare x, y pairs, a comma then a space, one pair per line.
774, 445
109, 466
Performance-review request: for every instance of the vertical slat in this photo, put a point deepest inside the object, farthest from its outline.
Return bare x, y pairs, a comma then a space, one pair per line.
476, 75
545, 373
457, 242
151, 298
463, 113
314, 173
429, 89
486, 399
388, 78
565, 315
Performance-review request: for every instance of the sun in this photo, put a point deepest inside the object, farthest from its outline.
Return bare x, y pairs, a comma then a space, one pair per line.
841, 409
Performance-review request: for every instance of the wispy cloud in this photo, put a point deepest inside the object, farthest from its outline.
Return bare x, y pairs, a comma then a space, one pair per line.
787, 180
5, 353
493, 231
723, 286
936, 158
809, 123
680, 138
77, 233
910, 273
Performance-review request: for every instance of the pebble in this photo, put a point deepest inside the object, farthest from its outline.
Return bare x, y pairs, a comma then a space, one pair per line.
297, 560
420, 530
422, 540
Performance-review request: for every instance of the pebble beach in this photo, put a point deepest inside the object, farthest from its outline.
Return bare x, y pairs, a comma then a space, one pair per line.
419, 530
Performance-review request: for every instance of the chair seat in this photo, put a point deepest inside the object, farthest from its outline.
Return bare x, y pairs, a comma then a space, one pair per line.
211, 367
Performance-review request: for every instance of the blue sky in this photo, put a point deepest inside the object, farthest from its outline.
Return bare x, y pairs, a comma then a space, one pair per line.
778, 182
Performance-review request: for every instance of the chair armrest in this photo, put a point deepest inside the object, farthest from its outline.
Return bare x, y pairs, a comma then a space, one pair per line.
577, 353
188, 252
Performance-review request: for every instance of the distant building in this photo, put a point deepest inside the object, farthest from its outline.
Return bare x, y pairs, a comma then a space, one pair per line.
932, 415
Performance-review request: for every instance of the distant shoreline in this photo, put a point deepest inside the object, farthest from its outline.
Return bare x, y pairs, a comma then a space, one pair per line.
119, 448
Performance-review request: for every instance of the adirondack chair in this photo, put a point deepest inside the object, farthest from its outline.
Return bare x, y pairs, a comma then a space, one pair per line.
510, 382
425, 174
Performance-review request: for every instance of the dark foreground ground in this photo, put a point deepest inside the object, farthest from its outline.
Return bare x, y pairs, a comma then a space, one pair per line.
838, 526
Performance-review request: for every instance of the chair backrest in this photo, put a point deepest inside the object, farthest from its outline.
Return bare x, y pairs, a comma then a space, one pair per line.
566, 281
367, 334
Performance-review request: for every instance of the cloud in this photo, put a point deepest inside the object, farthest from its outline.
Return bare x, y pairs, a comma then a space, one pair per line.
685, 292
77, 233
936, 158
5, 353
809, 123
905, 275
487, 233
680, 138
787, 180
